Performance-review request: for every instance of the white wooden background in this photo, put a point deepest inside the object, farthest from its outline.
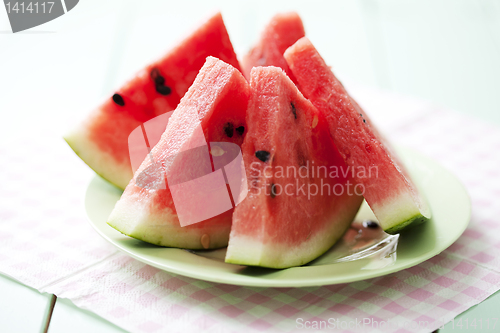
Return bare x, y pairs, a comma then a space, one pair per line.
444, 51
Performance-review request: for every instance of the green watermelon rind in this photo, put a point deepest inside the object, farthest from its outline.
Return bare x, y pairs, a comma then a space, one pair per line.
75, 140
401, 212
77, 152
413, 221
188, 238
258, 262
248, 256
218, 243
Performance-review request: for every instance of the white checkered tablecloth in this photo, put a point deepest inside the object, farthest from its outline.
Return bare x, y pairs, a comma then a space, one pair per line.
46, 243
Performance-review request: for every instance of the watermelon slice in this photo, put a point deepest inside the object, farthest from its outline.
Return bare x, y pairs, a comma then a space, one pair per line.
281, 32
102, 140
388, 188
296, 209
213, 110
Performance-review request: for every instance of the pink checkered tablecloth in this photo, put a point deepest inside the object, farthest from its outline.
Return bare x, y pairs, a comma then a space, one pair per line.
46, 243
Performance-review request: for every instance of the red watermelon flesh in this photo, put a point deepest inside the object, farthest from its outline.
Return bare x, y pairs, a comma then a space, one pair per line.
282, 31
213, 110
102, 140
388, 188
296, 208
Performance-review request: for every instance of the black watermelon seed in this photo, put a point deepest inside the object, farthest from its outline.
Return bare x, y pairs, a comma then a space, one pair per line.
158, 79
164, 90
301, 160
370, 224
294, 110
273, 191
229, 129
262, 155
364, 121
240, 130
301, 157
118, 99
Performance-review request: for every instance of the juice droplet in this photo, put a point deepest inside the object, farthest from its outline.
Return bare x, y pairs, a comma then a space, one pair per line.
315, 122
205, 241
217, 151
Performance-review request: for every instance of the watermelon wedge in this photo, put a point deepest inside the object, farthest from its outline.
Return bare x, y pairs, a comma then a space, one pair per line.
101, 140
296, 208
388, 188
281, 32
212, 111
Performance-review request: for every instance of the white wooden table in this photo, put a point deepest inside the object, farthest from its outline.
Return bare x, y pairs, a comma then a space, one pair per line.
446, 52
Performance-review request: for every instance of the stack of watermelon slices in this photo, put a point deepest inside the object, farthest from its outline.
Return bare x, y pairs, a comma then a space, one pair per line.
293, 117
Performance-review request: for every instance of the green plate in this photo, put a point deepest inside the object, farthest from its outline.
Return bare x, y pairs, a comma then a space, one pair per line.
447, 197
